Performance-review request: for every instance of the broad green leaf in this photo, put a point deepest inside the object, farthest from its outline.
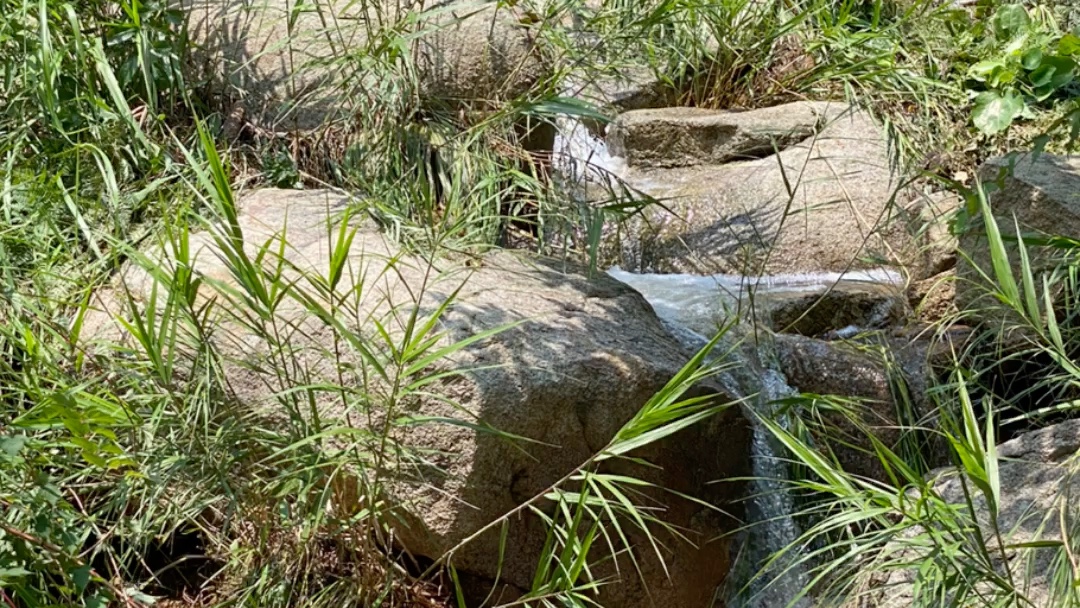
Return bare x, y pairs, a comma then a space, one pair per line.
12, 445
1010, 20
1069, 45
1031, 59
1016, 46
982, 70
994, 112
1054, 72
81, 577
1002, 78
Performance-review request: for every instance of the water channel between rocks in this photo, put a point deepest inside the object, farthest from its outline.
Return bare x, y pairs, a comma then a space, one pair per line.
694, 308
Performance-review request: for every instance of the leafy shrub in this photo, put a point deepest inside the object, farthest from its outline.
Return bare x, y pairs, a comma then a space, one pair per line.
1030, 62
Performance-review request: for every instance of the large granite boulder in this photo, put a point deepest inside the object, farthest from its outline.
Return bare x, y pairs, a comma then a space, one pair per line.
291, 64
830, 202
576, 359
1039, 510
1039, 194
884, 382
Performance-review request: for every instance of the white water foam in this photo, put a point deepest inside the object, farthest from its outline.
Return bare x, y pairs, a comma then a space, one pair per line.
703, 303
579, 156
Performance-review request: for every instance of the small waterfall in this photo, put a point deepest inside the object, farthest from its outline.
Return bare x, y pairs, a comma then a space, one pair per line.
770, 512
692, 307
581, 157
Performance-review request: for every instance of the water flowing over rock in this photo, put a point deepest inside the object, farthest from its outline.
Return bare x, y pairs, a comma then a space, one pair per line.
581, 359
694, 307
1041, 195
581, 158
810, 304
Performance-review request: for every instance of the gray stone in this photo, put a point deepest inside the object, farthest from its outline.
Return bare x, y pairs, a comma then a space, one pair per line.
680, 137
843, 307
579, 358
883, 381
937, 211
292, 70
831, 203
1039, 499
1042, 196
934, 299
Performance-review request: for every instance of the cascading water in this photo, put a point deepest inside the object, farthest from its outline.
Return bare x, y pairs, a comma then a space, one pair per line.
692, 307
581, 157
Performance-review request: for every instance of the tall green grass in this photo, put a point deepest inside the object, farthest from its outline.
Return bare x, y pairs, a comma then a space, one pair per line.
945, 549
128, 472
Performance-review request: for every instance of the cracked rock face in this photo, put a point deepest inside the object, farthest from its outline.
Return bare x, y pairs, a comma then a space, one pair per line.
577, 359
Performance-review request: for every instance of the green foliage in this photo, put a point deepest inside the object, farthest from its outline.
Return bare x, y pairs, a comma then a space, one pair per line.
109, 454
953, 548
1028, 62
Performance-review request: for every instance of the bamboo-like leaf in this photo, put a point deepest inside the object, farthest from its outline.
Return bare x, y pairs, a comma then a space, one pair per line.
1031, 298
999, 258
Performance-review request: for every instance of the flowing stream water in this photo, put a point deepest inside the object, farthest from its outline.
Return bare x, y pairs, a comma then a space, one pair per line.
693, 308
696, 307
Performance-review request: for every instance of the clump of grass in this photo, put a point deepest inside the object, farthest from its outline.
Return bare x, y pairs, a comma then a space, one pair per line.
906, 528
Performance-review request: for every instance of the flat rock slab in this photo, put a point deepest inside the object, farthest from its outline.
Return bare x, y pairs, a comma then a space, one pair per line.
830, 203
681, 137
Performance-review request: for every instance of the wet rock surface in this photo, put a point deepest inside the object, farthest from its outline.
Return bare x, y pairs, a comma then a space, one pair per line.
838, 310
